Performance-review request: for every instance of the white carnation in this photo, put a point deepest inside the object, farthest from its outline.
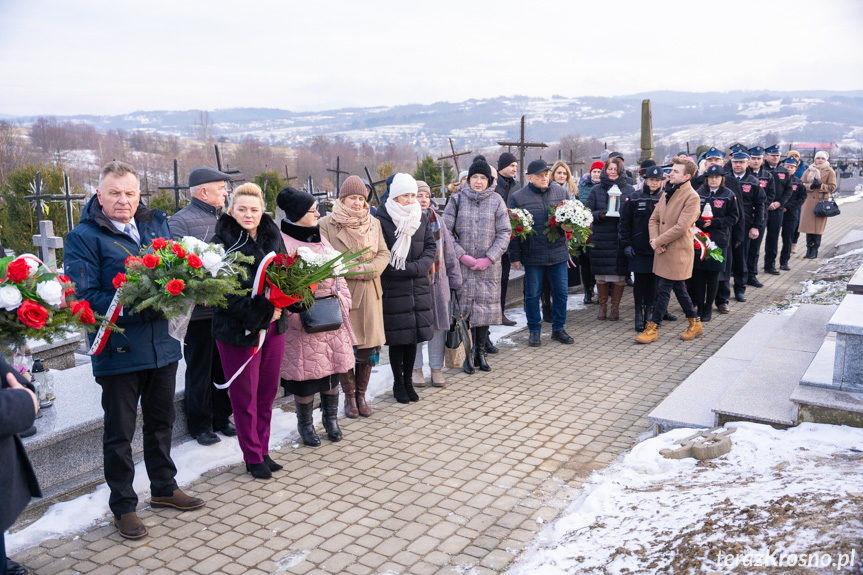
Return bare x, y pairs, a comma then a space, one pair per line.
194, 245
51, 291
10, 298
212, 262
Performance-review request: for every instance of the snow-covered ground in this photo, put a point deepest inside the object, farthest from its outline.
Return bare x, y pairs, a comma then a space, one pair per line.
781, 499
193, 460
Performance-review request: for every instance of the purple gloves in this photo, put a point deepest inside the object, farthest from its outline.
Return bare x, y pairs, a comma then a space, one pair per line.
481, 264
468, 261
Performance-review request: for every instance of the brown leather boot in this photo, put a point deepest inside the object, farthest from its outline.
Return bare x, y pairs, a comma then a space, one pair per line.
616, 296
362, 374
177, 500
694, 330
649, 334
602, 297
130, 526
348, 382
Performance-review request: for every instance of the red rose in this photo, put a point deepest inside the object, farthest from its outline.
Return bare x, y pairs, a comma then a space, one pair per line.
68, 286
119, 280
17, 271
279, 260
159, 243
289, 261
150, 261
175, 287
511, 237
519, 229
178, 251
83, 308
552, 222
194, 261
32, 314
132, 260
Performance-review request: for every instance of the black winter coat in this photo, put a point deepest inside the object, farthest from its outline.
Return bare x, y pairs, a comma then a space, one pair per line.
634, 229
606, 255
407, 298
781, 184
798, 196
244, 313
537, 250
725, 214
752, 198
16, 473
506, 187
765, 181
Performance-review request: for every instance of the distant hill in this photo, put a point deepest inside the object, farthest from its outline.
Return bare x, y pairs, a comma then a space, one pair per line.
677, 116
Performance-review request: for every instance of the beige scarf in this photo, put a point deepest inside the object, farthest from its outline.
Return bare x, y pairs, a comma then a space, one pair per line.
358, 224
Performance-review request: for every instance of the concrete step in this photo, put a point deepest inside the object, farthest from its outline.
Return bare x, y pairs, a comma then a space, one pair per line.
820, 371
853, 240
691, 404
825, 405
763, 390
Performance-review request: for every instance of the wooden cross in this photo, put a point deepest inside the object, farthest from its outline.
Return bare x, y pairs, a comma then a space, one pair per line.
454, 156
338, 172
47, 243
38, 196
374, 185
227, 169
522, 144
288, 177
68, 198
176, 188
146, 194
266, 179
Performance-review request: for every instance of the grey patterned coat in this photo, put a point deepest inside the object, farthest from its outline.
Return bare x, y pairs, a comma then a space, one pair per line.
479, 224
442, 281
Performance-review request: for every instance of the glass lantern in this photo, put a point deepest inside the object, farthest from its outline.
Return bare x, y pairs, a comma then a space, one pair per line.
613, 202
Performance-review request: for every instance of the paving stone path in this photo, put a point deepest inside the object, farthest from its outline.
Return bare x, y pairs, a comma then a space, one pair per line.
461, 480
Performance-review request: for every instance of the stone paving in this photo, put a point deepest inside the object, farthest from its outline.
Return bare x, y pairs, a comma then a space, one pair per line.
459, 482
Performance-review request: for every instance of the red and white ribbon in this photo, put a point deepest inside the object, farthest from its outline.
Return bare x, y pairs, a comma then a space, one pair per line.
700, 244
104, 331
257, 289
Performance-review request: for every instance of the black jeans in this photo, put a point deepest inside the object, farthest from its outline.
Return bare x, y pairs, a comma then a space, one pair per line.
402, 359
663, 295
789, 238
644, 289
120, 395
207, 408
738, 260
771, 242
753, 250
504, 280
703, 286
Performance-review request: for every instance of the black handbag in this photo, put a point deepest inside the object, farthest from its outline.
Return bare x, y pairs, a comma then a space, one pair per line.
458, 333
325, 314
826, 208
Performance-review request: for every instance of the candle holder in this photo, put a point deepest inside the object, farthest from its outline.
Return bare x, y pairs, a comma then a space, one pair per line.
613, 202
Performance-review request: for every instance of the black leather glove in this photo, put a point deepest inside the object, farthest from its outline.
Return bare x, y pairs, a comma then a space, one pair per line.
629, 251
816, 184
602, 215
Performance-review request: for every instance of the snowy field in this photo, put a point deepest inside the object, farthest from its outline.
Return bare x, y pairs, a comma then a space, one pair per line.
780, 502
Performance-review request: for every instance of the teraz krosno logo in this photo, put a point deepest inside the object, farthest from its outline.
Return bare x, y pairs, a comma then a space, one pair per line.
775, 558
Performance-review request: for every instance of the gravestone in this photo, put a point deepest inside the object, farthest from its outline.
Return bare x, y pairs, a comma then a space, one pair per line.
48, 243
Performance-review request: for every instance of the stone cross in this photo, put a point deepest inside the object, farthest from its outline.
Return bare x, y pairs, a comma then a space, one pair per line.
68, 198
522, 144
47, 243
454, 156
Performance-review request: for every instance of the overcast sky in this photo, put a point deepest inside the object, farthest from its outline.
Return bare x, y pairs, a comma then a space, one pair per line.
115, 56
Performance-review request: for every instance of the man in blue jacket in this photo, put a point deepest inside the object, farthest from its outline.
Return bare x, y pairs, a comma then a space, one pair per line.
539, 255
139, 364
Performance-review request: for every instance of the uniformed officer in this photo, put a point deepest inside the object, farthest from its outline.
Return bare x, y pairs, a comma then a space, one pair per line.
752, 198
765, 182
776, 208
791, 215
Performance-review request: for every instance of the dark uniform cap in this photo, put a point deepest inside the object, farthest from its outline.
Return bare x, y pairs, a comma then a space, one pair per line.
790, 161
740, 156
715, 170
756, 152
200, 176
653, 172
737, 147
713, 152
772, 150
537, 167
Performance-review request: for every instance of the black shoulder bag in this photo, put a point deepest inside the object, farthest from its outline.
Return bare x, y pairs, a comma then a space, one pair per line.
325, 314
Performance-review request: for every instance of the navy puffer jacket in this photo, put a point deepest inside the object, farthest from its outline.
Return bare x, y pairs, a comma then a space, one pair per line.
606, 255
95, 254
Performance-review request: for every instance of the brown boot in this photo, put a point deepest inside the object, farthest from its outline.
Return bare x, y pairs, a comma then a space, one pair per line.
363, 373
177, 500
130, 526
602, 290
616, 296
348, 382
649, 334
694, 330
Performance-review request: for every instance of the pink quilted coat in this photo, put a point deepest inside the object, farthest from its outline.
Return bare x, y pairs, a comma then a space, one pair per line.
315, 355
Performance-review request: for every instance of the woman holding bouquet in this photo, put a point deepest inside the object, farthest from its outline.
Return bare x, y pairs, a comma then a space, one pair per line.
479, 222
314, 362
247, 229
407, 300
351, 227
717, 223
607, 261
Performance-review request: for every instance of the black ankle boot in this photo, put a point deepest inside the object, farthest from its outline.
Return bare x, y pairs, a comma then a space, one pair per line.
259, 470
272, 465
409, 387
330, 416
399, 391
467, 366
639, 318
305, 425
479, 356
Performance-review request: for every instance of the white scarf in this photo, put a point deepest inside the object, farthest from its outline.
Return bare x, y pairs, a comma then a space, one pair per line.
407, 220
